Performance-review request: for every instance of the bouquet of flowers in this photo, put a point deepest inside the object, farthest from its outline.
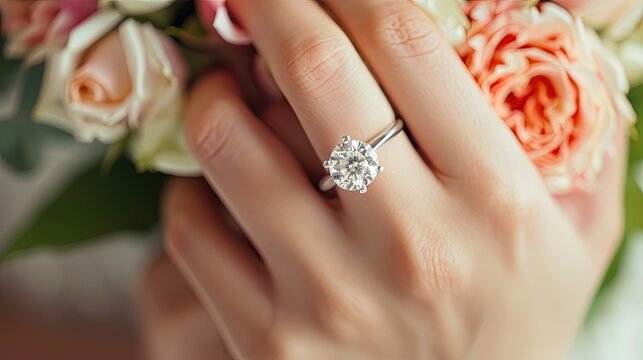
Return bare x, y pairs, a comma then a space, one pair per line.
115, 73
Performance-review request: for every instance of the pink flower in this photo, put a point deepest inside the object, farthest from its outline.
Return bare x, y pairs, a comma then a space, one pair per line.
215, 17
35, 28
552, 82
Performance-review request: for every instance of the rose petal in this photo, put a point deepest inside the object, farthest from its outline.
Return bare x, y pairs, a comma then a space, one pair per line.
102, 77
228, 30
52, 106
553, 84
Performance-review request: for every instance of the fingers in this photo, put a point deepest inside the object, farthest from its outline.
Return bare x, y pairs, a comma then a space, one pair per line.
284, 124
317, 68
225, 274
175, 324
448, 115
329, 87
260, 181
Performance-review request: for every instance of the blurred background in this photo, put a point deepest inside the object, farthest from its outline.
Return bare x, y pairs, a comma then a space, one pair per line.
72, 304
76, 299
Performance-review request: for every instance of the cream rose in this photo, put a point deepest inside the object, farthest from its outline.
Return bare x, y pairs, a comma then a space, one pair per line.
214, 16
449, 17
107, 84
621, 25
630, 51
617, 18
136, 7
35, 28
552, 82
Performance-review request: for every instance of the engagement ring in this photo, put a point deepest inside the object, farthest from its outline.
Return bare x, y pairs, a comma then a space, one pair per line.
353, 164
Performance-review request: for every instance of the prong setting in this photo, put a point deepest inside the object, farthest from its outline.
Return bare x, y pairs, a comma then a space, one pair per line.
353, 165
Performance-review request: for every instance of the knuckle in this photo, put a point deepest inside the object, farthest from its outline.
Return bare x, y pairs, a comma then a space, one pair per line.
347, 314
210, 136
510, 207
508, 212
439, 272
505, 197
434, 269
405, 31
318, 64
426, 262
280, 344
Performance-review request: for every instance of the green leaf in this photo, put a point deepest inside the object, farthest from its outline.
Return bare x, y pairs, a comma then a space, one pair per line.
9, 71
164, 17
93, 205
20, 137
633, 194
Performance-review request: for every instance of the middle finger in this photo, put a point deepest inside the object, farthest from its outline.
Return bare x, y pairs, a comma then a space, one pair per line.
329, 86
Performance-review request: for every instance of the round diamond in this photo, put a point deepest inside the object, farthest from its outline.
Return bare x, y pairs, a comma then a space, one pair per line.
353, 165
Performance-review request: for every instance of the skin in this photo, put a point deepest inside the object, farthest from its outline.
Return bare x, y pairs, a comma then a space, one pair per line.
175, 325
457, 251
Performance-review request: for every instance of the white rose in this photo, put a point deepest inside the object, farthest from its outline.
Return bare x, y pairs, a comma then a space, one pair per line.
105, 85
616, 18
449, 17
621, 25
136, 7
630, 52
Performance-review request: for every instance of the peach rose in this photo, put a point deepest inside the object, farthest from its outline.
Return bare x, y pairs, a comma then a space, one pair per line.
34, 28
214, 16
552, 82
107, 84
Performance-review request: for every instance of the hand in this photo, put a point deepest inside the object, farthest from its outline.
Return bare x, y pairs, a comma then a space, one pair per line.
175, 325
456, 251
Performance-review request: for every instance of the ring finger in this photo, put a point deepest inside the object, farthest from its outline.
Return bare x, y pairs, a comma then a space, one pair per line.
451, 119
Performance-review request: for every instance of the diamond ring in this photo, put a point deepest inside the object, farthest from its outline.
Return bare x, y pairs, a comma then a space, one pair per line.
353, 164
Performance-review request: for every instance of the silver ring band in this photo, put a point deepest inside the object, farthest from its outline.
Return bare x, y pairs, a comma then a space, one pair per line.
327, 183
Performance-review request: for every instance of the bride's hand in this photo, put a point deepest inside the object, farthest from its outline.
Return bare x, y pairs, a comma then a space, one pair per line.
174, 323
457, 250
